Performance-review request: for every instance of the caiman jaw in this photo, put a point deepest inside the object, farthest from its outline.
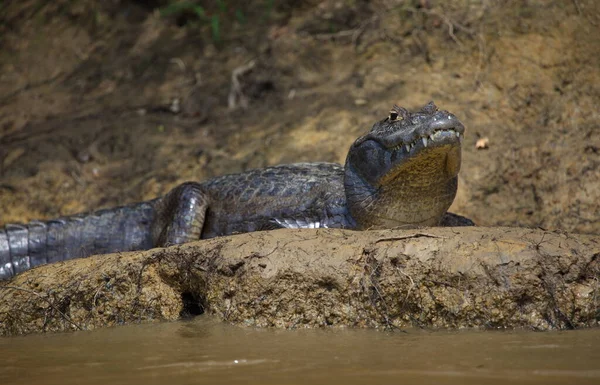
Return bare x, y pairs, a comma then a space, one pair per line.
442, 143
431, 140
437, 137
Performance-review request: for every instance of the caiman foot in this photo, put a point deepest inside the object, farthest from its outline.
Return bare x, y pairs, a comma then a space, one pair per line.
451, 220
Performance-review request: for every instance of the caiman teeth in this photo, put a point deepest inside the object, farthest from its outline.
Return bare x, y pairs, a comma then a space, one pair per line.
426, 140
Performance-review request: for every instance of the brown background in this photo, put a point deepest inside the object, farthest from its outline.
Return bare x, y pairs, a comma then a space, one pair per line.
86, 89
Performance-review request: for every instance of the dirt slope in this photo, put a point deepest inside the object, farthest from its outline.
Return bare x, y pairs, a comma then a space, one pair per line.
86, 92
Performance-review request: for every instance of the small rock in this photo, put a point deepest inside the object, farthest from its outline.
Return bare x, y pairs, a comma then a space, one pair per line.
482, 143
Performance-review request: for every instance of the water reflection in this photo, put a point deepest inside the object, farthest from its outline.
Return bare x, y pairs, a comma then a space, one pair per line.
208, 351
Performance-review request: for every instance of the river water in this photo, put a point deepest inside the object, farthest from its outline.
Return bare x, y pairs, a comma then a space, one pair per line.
205, 351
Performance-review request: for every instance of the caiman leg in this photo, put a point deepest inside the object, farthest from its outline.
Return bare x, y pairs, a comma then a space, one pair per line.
176, 218
180, 215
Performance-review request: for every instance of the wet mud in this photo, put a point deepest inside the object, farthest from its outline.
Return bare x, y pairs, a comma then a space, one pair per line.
453, 278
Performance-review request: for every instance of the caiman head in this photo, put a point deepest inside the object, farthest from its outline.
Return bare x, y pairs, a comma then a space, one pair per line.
404, 172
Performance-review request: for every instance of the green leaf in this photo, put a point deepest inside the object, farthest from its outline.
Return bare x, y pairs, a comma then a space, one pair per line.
239, 15
214, 26
175, 8
222, 6
199, 11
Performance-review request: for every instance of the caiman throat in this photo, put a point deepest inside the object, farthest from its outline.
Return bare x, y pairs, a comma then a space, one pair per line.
402, 173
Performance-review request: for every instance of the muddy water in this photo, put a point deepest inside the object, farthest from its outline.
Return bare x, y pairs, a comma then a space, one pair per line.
206, 351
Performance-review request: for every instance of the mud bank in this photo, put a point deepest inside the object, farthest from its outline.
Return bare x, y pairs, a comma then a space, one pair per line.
430, 278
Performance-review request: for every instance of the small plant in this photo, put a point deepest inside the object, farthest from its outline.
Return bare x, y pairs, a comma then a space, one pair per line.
194, 14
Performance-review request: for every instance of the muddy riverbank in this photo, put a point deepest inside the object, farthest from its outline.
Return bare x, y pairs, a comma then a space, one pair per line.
452, 278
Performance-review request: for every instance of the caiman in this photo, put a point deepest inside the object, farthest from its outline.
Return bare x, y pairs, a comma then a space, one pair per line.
402, 173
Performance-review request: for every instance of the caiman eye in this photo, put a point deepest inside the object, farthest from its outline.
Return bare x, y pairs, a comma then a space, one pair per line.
394, 116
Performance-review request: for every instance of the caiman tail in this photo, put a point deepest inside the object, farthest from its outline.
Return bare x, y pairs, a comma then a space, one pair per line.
25, 246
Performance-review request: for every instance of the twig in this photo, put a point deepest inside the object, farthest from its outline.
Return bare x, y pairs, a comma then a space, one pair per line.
178, 62
66, 317
412, 284
576, 3
580, 12
416, 235
4, 100
236, 95
370, 284
335, 35
449, 22
354, 33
